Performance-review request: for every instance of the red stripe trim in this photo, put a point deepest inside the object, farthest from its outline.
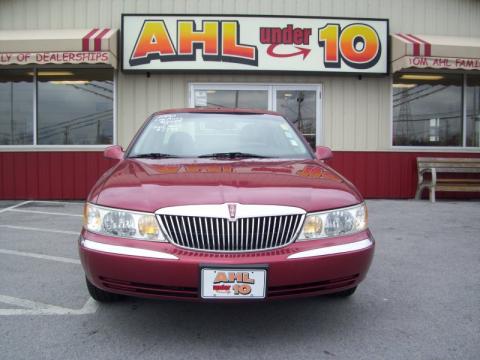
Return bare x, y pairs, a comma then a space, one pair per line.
428, 46
98, 40
86, 39
416, 44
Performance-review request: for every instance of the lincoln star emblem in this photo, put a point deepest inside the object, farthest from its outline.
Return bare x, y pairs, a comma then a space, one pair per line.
232, 210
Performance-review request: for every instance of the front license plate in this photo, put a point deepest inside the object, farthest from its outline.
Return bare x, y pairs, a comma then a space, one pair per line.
233, 283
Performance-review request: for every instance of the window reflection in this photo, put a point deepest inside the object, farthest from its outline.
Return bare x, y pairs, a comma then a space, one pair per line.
75, 106
427, 109
473, 110
16, 107
250, 99
299, 107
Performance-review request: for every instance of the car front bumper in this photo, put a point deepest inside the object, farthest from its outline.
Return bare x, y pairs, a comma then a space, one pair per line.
149, 269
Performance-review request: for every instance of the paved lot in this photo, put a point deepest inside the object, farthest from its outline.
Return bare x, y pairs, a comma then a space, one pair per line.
421, 299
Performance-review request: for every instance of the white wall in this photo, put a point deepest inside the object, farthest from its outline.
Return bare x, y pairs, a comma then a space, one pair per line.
356, 112
452, 17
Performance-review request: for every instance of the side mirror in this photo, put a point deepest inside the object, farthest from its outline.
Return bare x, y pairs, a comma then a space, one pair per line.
113, 152
323, 153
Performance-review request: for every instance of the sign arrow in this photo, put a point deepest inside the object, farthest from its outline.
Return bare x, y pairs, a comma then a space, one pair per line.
302, 51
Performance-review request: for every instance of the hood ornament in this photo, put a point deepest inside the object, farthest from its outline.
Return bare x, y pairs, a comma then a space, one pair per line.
232, 211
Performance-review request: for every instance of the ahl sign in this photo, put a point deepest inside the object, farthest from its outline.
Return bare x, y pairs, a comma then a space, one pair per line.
253, 43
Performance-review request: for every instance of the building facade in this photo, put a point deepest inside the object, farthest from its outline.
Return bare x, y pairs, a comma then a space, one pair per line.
66, 91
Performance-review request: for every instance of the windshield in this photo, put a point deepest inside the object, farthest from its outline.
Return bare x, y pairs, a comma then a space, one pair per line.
212, 135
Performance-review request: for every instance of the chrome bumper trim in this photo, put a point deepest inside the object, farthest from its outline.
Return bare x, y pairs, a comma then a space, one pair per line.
330, 250
125, 250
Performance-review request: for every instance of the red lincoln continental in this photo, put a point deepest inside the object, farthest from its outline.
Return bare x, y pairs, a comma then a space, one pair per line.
223, 204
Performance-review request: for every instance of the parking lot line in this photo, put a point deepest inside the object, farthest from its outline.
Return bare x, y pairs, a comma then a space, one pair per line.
38, 308
58, 202
40, 229
15, 206
24, 303
43, 212
40, 256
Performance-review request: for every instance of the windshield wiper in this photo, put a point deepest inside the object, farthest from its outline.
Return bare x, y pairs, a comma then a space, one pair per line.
232, 155
154, 156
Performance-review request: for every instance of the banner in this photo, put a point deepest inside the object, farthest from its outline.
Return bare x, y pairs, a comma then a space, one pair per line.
253, 43
56, 57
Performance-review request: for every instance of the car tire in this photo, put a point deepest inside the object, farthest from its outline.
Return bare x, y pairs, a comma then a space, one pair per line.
345, 293
101, 295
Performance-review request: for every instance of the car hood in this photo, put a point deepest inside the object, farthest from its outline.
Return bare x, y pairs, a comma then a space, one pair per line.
148, 185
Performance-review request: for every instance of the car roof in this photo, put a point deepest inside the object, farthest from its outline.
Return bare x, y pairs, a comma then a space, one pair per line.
217, 110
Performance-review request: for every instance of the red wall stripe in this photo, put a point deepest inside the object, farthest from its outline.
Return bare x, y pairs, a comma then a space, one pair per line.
50, 175
44, 175
8, 175
32, 175
388, 175
56, 174
71, 175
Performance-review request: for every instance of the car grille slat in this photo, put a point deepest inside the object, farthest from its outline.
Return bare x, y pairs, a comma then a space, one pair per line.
235, 230
263, 232
221, 234
188, 237
241, 232
196, 231
290, 221
285, 227
258, 233
247, 234
274, 235
177, 229
279, 238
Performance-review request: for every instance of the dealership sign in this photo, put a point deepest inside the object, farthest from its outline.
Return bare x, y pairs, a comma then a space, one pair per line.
253, 43
55, 57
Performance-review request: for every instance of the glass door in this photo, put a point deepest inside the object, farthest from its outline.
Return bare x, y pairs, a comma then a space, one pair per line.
231, 96
299, 103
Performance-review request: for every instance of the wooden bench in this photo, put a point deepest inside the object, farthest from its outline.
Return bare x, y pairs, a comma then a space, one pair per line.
447, 165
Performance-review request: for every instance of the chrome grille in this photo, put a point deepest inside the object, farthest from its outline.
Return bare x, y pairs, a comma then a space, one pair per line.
221, 234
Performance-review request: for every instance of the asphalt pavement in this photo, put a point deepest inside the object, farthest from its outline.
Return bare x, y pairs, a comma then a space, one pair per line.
421, 298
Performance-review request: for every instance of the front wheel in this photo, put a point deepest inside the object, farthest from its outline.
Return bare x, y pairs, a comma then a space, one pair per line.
344, 293
101, 295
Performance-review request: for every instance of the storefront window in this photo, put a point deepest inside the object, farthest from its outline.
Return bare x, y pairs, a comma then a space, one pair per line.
66, 106
473, 110
16, 107
253, 99
75, 106
427, 109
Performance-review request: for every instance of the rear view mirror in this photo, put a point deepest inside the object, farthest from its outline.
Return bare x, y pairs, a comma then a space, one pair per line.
323, 153
113, 152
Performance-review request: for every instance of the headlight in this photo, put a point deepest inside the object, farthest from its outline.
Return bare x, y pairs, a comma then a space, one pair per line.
121, 223
335, 222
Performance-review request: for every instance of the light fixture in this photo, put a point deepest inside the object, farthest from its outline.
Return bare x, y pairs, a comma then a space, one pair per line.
211, 91
404, 86
287, 94
421, 77
69, 82
52, 73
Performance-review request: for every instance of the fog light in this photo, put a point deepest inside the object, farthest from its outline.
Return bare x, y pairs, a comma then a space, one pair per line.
148, 226
312, 227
